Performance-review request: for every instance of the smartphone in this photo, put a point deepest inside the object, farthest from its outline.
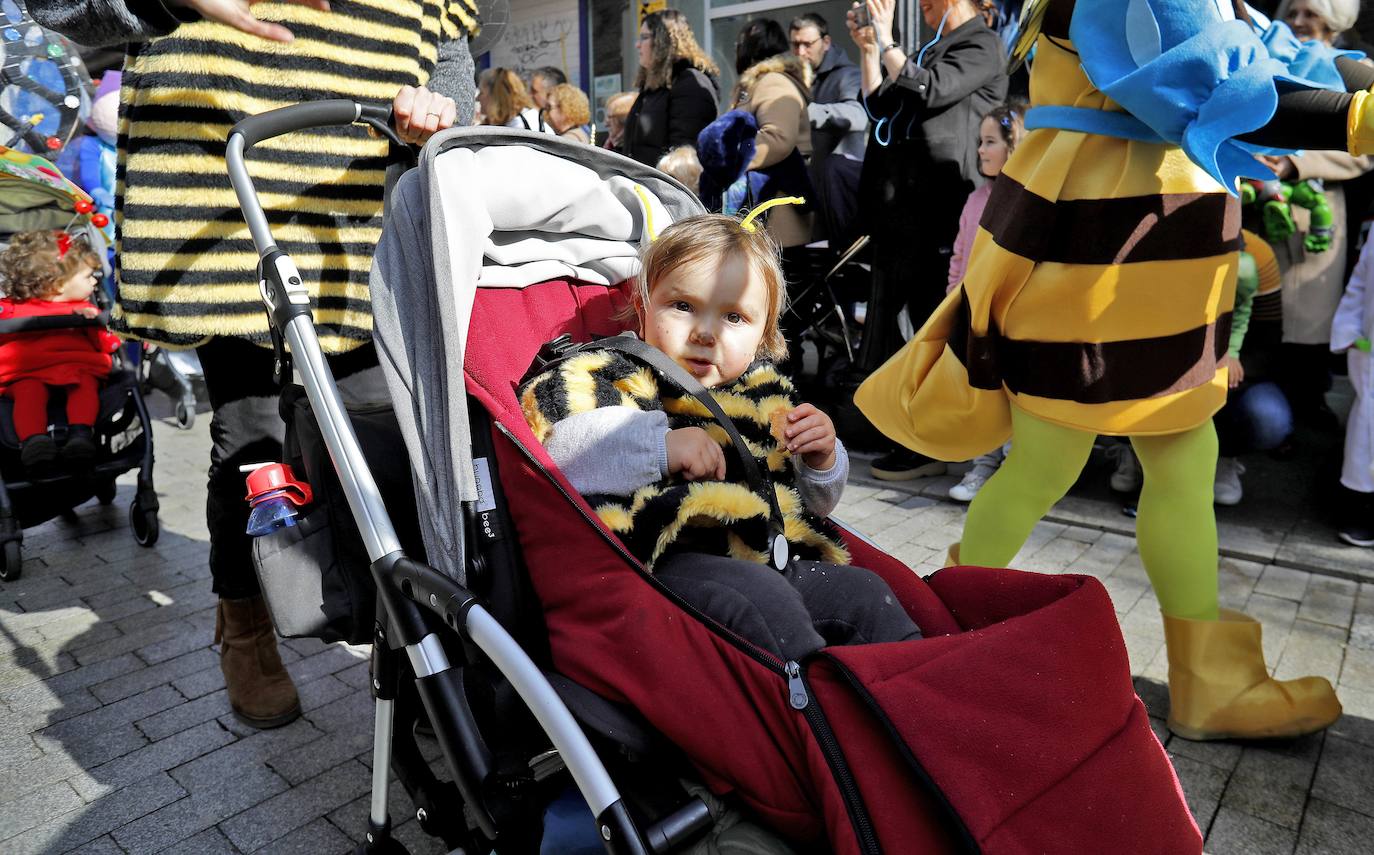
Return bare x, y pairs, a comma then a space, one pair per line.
862, 17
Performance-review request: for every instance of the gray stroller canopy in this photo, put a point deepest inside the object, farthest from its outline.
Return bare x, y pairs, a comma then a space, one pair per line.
491, 208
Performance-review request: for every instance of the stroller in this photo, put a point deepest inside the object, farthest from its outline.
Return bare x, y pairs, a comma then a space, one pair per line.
42, 198
537, 645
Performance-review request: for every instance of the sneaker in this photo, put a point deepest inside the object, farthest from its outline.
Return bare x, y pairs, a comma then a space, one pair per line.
904, 465
974, 479
1127, 478
1357, 533
79, 449
38, 453
1227, 490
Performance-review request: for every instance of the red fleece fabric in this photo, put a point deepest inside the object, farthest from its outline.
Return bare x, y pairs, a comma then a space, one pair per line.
1014, 721
31, 405
55, 357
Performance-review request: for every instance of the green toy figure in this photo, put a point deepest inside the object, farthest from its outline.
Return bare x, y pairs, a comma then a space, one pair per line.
1278, 197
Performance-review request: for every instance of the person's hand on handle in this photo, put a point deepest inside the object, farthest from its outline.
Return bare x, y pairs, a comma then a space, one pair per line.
239, 15
419, 114
692, 452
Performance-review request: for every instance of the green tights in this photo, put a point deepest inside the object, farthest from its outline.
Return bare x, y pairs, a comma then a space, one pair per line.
1176, 526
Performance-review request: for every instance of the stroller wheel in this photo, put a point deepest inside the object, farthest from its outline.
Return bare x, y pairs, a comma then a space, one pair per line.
11, 561
389, 846
144, 524
105, 491
186, 416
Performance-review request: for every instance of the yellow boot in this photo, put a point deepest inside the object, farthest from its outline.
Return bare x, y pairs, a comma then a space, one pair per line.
952, 556
1219, 687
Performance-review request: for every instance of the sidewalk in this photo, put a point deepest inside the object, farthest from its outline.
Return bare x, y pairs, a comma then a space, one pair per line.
115, 734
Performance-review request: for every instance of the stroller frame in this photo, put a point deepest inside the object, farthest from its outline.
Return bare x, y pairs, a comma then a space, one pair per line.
415, 601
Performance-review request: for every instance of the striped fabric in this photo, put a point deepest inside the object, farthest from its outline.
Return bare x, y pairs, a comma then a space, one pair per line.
1102, 276
186, 261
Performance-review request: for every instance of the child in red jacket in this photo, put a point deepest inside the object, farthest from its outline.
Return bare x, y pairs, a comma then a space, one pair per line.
52, 273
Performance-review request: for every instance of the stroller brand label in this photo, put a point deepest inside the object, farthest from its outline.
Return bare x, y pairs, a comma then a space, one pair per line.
488, 522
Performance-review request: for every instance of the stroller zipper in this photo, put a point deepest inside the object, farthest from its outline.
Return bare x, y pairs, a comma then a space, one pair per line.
963, 837
799, 693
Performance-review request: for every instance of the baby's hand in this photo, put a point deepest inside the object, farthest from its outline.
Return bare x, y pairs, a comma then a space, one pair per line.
1235, 372
692, 452
811, 434
86, 311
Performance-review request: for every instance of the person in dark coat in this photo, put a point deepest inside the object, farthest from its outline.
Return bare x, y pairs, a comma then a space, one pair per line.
677, 89
839, 129
920, 166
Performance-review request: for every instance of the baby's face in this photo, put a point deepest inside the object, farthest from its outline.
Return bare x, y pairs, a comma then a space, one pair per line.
709, 318
78, 287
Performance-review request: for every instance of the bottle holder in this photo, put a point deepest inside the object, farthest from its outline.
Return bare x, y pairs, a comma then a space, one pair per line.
303, 582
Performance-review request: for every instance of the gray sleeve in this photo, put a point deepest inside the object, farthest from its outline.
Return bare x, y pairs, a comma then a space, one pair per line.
454, 76
821, 491
98, 23
611, 450
840, 116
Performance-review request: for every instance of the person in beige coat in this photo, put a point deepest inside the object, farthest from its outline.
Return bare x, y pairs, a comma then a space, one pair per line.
1314, 281
775, 86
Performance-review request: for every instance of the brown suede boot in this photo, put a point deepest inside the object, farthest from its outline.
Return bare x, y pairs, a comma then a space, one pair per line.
260, 691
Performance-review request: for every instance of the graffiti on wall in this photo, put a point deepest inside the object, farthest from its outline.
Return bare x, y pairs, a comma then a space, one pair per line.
539, 42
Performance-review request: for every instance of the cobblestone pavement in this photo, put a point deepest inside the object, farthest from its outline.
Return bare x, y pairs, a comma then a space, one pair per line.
115, 734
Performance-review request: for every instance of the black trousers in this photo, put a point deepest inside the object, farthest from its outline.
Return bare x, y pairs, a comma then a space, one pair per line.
245, 427
808, 606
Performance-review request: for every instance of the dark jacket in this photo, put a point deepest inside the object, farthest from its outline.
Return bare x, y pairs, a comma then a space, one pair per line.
838, 120
915, 186
667, 117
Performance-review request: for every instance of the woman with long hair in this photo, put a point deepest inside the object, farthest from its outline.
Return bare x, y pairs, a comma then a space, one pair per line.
504, 101
677, 89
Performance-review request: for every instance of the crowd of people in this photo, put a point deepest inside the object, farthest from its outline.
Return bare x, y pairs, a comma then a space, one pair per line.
903, 148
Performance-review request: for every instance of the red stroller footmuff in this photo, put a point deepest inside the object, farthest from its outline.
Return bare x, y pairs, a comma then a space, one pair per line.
1011, 727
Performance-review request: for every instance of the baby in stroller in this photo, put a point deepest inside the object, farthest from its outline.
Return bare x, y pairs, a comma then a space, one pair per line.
661, 473
50, 273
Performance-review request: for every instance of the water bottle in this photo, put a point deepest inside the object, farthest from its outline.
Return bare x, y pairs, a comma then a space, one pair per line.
275, 497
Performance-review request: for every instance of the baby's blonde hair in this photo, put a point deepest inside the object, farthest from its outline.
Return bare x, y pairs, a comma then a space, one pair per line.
710, 239
682, 163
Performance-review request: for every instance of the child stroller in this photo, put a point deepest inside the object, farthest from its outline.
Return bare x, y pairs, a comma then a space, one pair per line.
536, 643
123, 430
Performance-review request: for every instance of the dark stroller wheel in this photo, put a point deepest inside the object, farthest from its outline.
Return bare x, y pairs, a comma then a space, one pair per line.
105, 491
186, 415
144, 524
11, 562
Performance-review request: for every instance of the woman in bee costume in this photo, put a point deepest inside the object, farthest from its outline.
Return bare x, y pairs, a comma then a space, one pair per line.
1097, 301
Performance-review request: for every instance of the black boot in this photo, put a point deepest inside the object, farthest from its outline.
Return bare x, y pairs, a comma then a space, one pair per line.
38, 453
80, 448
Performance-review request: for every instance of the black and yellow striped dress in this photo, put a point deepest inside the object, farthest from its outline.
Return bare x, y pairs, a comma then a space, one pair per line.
186, 261
1098, 294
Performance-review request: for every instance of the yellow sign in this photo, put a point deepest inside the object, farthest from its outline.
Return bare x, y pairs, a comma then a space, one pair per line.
648, 7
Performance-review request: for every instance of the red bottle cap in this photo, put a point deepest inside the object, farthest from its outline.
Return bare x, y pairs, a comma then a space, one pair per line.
278, 476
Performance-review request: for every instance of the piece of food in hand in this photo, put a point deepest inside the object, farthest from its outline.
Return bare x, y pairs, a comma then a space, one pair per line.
777, 425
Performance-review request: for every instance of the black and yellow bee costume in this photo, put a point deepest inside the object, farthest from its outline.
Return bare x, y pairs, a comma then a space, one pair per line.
723, 518
1098, 300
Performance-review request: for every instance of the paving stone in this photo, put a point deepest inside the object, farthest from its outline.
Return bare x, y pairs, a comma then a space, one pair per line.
42, 709
1333, 830
1220, 755
1270, 786
211, 841
1283, 582
154, 675
1357, 723
292, 809
186, 818
38, 807
99, 846
77, 678
1327, 606
1202, 787
201, 682
208, 772
1343, 775
154, 758
317, 838
92, 650
130, 709
99, 818
1237, 833
95, 747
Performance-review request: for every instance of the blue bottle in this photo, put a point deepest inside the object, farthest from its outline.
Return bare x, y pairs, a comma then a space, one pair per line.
276, 498
271, 511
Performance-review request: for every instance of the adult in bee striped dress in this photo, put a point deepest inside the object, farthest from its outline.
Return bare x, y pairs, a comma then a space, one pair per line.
187, 265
